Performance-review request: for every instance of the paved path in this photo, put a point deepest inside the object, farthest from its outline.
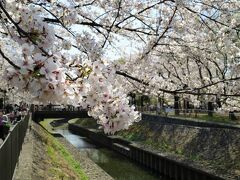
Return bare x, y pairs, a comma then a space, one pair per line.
23, 170
1, 141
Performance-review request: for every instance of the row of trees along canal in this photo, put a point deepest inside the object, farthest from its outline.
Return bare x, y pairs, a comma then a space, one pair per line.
64, 52
179, 104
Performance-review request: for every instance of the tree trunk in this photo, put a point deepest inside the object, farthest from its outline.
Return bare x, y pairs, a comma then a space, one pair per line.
210, 109
176, 105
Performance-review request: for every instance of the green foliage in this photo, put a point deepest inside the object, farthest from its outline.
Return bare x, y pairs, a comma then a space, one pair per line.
204, 117
215, 118
121, 61
37, 74
195, 157
61, 157
7, 125
46, 124
85, 122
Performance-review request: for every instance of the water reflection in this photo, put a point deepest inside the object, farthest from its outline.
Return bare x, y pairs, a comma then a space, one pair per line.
116, 165
97, 156
77, 141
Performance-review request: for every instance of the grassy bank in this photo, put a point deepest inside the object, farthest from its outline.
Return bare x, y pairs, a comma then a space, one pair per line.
85, 122
215, 150
61, 164
63, 160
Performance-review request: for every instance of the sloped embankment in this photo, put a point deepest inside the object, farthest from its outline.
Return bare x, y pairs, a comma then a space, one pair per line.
215, 150
51, 160
92, 170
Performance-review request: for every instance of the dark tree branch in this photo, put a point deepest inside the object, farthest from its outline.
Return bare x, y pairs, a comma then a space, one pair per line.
106, 27
56, 18
110, 29
131, 77
85, 5
140, 12
8, 60
164, 32
21, 32
210, 18
195, 91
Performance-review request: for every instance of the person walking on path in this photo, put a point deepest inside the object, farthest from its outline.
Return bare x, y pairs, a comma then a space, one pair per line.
1, 126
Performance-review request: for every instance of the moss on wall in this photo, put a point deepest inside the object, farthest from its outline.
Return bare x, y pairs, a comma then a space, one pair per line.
213, 149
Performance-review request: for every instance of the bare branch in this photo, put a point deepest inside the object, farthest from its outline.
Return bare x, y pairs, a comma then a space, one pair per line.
8, 60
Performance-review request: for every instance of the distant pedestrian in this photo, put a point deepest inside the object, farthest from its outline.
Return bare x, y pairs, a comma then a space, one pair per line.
3, 129
2, 132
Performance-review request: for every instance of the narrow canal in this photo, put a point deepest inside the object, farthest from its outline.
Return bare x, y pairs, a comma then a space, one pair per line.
116, 165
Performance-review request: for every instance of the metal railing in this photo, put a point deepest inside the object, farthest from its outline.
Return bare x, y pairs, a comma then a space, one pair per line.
197, 114
38, 116
11, 147
56, 108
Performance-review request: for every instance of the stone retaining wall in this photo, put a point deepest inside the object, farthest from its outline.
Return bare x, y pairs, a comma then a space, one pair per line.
169, 120
153, 161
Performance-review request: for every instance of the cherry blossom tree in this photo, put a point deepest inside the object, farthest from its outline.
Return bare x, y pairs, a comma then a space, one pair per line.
57, 52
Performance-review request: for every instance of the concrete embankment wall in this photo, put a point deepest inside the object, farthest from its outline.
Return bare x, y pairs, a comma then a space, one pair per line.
209, 147
193, 123
154, 161
213, 147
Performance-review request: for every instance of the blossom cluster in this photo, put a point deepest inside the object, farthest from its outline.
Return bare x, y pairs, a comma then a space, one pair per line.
56, 51
56, 77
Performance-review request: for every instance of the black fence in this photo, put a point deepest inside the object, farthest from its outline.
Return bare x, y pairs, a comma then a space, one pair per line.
38, 116
155, 119
194, 113
10, 149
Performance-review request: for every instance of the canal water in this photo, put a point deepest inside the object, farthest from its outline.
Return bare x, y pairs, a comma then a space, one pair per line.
116, 165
